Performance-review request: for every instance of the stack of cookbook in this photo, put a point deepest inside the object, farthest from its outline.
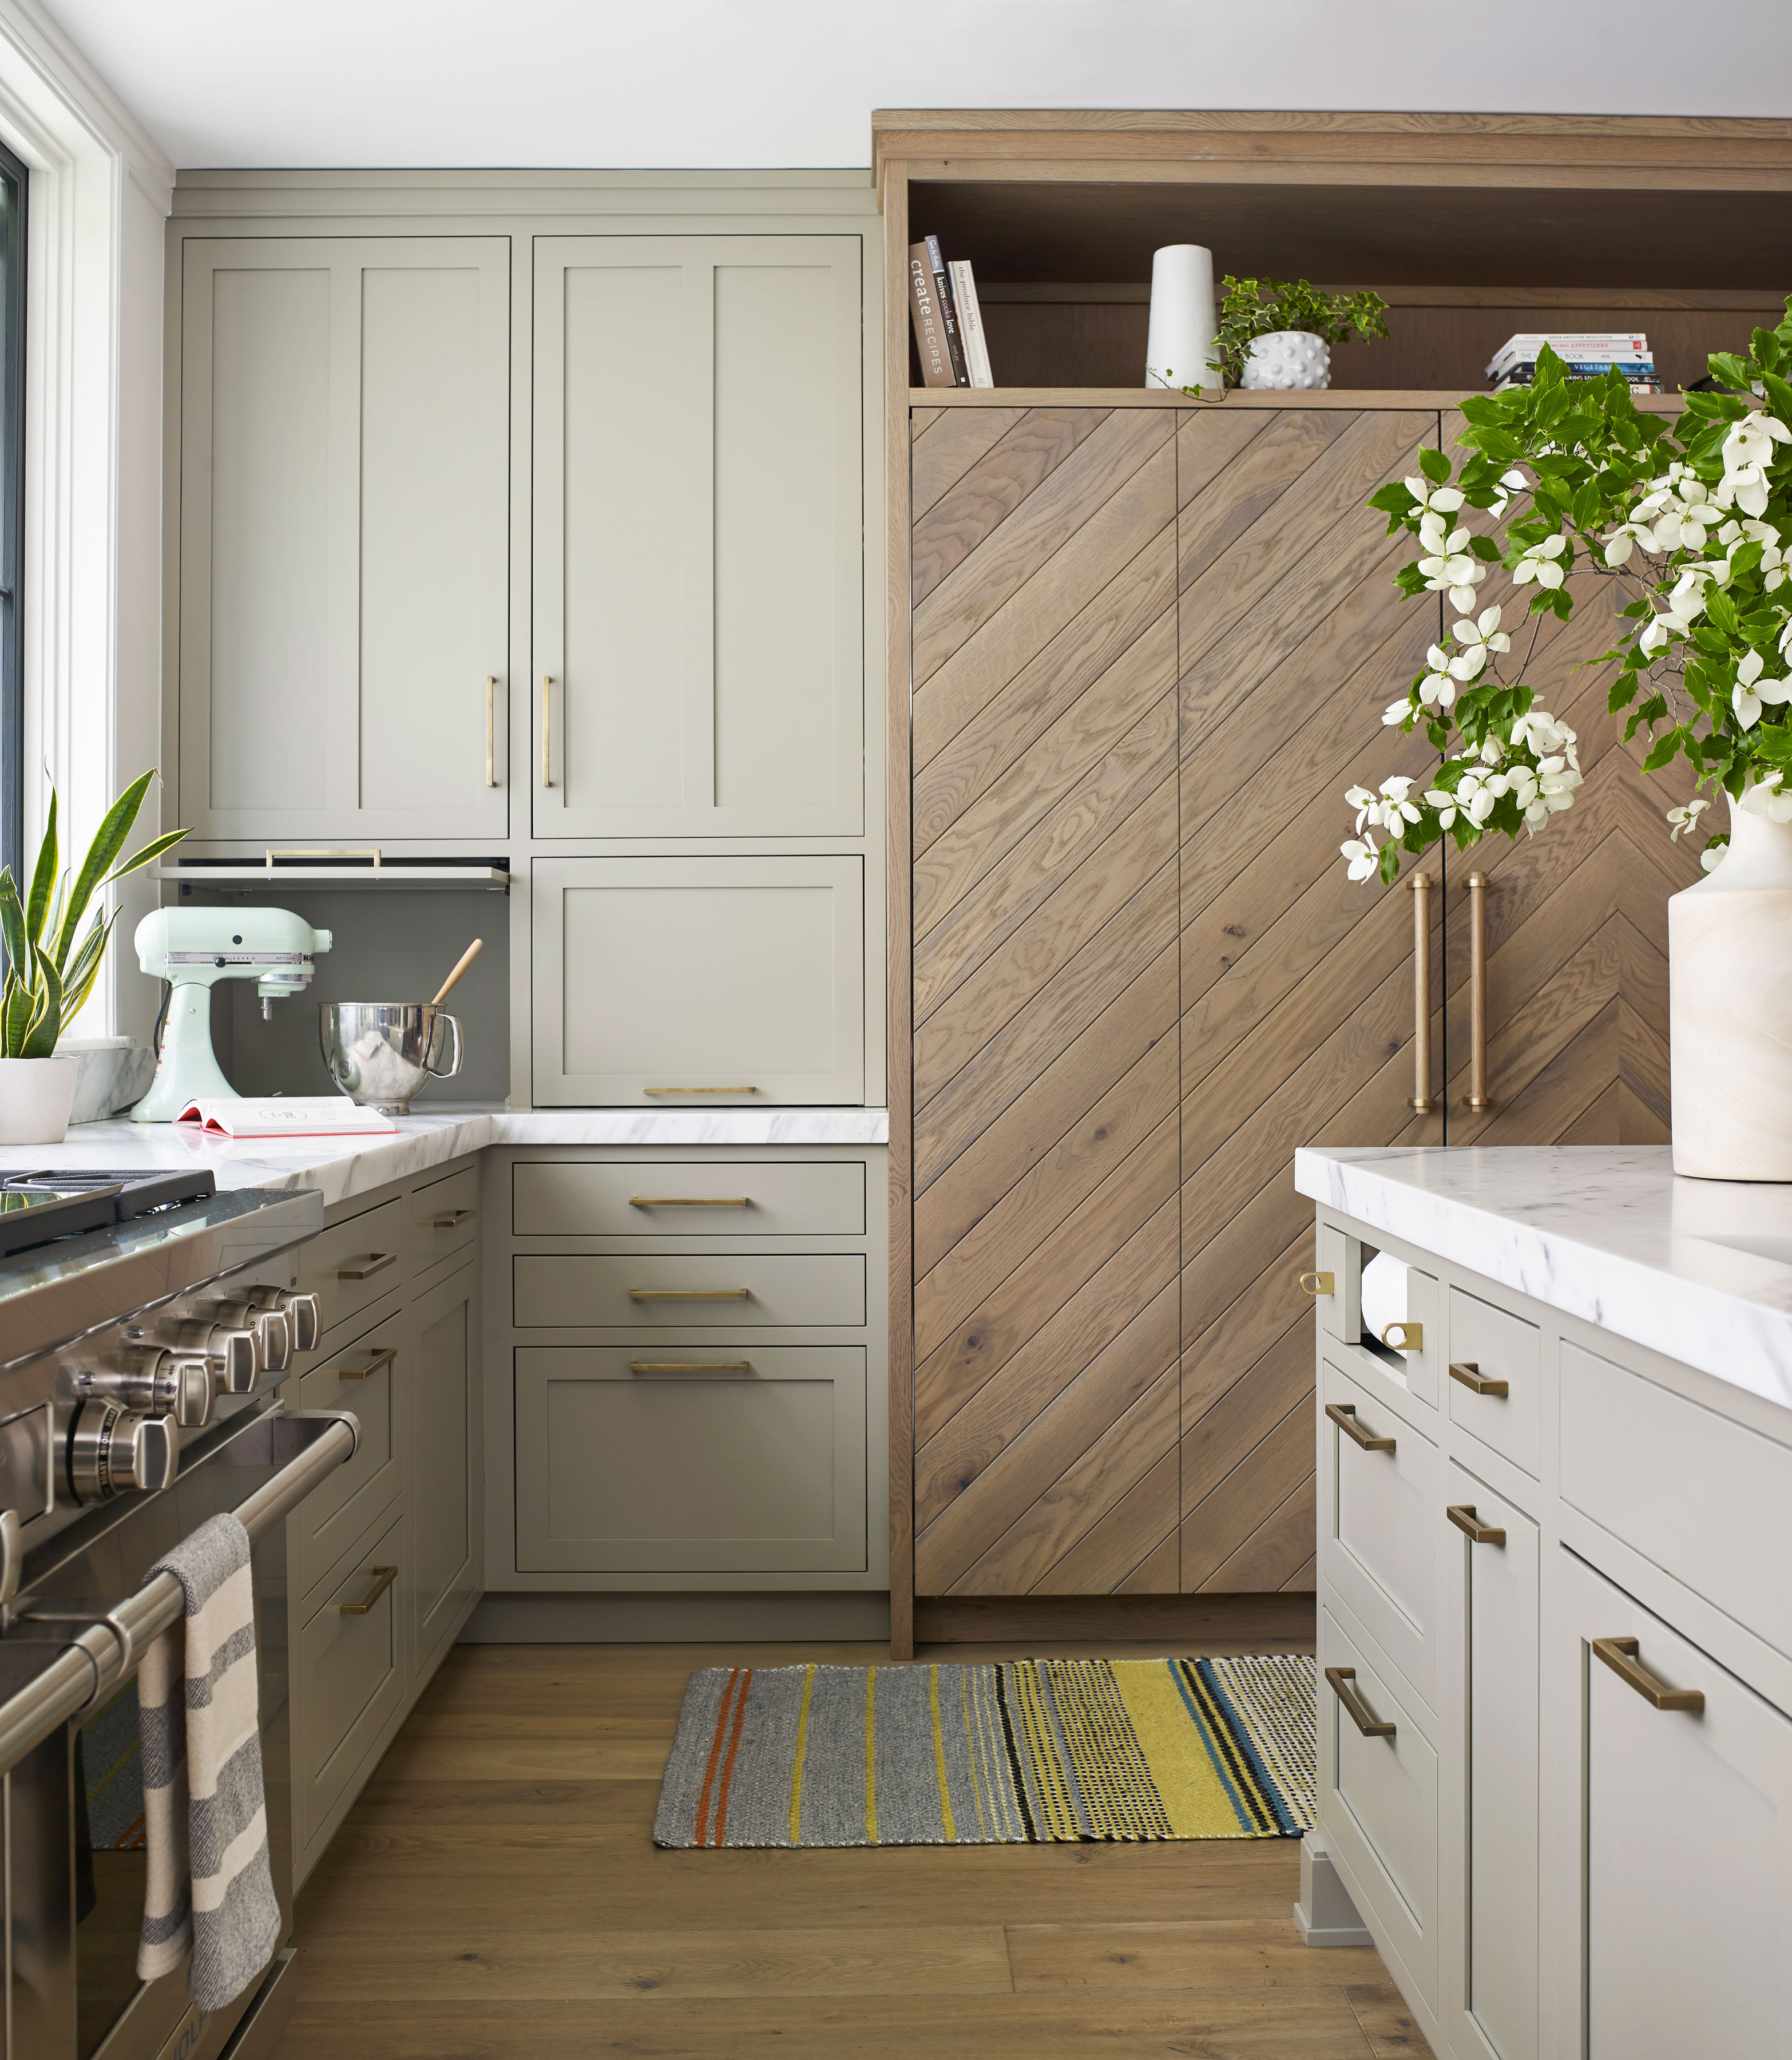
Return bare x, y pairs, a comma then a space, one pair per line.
949, 324
1588, 354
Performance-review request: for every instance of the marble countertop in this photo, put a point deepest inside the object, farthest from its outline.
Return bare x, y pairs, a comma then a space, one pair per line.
341, 1167
1698, 1270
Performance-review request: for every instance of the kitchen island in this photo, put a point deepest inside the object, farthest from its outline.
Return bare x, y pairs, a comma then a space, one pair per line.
1555, 1644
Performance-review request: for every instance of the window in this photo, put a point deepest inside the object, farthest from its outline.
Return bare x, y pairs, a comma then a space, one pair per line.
14, 188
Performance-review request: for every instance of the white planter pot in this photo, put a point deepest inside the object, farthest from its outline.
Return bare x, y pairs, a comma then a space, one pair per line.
1287, 361
1730, 1009
1179, 338
36, 1096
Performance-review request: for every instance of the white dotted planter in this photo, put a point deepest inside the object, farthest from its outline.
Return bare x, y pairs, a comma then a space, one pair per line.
1287, 361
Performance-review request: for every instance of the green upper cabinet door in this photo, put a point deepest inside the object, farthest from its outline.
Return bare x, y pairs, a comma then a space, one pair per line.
344, 537
699, 608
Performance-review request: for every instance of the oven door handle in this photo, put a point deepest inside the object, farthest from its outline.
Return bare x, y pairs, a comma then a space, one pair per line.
306, 1446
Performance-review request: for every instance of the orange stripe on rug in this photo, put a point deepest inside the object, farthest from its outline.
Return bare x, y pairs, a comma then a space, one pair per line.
715, 1756
733, 1747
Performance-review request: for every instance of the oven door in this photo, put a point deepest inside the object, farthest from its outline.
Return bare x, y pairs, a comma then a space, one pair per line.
76, 1862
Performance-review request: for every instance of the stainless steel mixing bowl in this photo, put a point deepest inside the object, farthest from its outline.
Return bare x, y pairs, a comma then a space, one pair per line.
381, 1053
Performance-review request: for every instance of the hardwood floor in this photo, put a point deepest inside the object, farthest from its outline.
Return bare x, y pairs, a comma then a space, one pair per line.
496, 1892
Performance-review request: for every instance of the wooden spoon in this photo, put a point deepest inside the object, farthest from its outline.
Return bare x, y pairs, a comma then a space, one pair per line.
466, 959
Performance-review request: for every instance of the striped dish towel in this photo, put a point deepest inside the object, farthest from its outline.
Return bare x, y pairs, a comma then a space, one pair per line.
211, 1885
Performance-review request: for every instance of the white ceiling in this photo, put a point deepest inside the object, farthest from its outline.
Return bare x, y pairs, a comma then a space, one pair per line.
698, 83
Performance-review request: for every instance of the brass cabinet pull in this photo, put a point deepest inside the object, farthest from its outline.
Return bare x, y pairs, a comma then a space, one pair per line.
1317, 1283
383, 1356
690, 1201
491, 729
1344, 1415
271, 852
690, 1366
1469, 1373
454, 1222
547, 732
375, 1262
1620, 1655
699, 1091
690, 1294
1358, 1711
1461, 1514
1421, 1100
1478, 992
1412, 1336
383, 1579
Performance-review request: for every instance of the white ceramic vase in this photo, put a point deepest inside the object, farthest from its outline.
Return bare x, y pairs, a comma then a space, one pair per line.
1179, 343
36, 1096
1730, 1009
1287, 361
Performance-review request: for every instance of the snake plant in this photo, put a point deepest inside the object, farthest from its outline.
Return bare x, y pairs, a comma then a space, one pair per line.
48, 975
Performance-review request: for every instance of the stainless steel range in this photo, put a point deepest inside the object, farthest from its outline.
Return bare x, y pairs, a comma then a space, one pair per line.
144, 1333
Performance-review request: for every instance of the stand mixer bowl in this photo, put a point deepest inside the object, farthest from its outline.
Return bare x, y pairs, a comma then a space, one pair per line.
381, 1053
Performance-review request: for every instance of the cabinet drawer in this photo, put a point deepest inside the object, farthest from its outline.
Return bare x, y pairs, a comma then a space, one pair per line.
703, 982
352, 1666
364, 1377
687, 1198
1381, 1513
1685, 1487
446, 1217
721, 1290
691, 1457
1489, 1345
1377, 1803
351, 1264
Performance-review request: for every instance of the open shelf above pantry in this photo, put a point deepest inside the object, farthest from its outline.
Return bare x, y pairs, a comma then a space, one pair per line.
407, 876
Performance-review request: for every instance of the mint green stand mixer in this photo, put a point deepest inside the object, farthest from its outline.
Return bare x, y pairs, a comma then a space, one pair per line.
193, 949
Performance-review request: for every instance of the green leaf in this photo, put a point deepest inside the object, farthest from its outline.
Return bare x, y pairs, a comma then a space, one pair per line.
1662, 752
1778, 392
1389, 862
84, 970
47, 1020
1732, 369
153, 850
12, 924
1485, 549
43, 879
1392, 499
15, 1015
1435, 465
108, 840
1624, 693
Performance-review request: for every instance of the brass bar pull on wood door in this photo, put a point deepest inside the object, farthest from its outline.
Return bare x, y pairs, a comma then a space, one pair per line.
491, 729
1344, 1415
1421, 1100
1478, 992
547, 730
1358, 1711
1620, 1655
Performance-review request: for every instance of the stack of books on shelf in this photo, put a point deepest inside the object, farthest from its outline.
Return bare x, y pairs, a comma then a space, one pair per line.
1588, 354
949, 324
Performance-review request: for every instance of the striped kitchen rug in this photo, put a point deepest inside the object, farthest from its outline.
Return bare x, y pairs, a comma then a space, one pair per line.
1029, 1752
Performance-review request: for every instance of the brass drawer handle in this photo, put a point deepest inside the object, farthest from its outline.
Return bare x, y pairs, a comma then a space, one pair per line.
547, 730
690, 1366
1469, 1373
690, 1294
1316, 1284
700, 1091
1344, 1415
383, 1356
1412, 1337
491, 729
1358, 1711
1477, 1099
376, 1261
690, 1201
1461, 1514
454, 1222
383, 1579
1422, 1099
1620, 1655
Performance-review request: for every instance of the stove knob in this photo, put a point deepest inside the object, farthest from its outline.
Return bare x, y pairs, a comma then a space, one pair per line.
232, 1354
303, 1318
273, 1347
114, 1452
173, 1382
191, 1399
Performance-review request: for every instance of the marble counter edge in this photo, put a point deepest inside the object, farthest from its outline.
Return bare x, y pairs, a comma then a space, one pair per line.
1719, 1330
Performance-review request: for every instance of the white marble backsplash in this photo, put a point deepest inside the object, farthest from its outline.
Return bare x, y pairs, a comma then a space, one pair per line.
342, 1167
1698, 1270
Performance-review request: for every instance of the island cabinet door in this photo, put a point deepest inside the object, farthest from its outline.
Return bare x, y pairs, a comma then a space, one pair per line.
344, 537
1301, 992
1491, 1782
699, 612
1682, 1841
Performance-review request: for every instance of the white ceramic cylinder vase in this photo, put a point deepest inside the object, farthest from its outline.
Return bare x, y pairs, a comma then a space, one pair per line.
1729, 1008
36, 1096
1179, 343
1287, 361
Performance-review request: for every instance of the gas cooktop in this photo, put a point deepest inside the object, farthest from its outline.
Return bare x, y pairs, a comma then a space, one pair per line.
37, 1208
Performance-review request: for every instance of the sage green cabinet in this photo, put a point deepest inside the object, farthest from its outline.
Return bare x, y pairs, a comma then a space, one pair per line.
699, 607
344, 518
704, 982
446, 1497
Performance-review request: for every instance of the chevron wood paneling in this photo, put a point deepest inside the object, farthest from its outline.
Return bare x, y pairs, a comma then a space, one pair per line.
1045, 894
1296, 987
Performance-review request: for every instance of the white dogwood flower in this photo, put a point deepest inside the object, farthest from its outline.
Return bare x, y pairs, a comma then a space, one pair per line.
1448, 567
1397, 712
1396, 810
1477, 792
1539, 563
1509, 483
1748, 451
1361, 852
1440, 499
1479, 640
1362, 799
1752, 690
1711, 857
1438, 688
1770, 797
1686, 818
1441, 799
1624, 539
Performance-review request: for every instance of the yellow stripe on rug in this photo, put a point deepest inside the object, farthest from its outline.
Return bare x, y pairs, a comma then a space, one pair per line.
1196, 1799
